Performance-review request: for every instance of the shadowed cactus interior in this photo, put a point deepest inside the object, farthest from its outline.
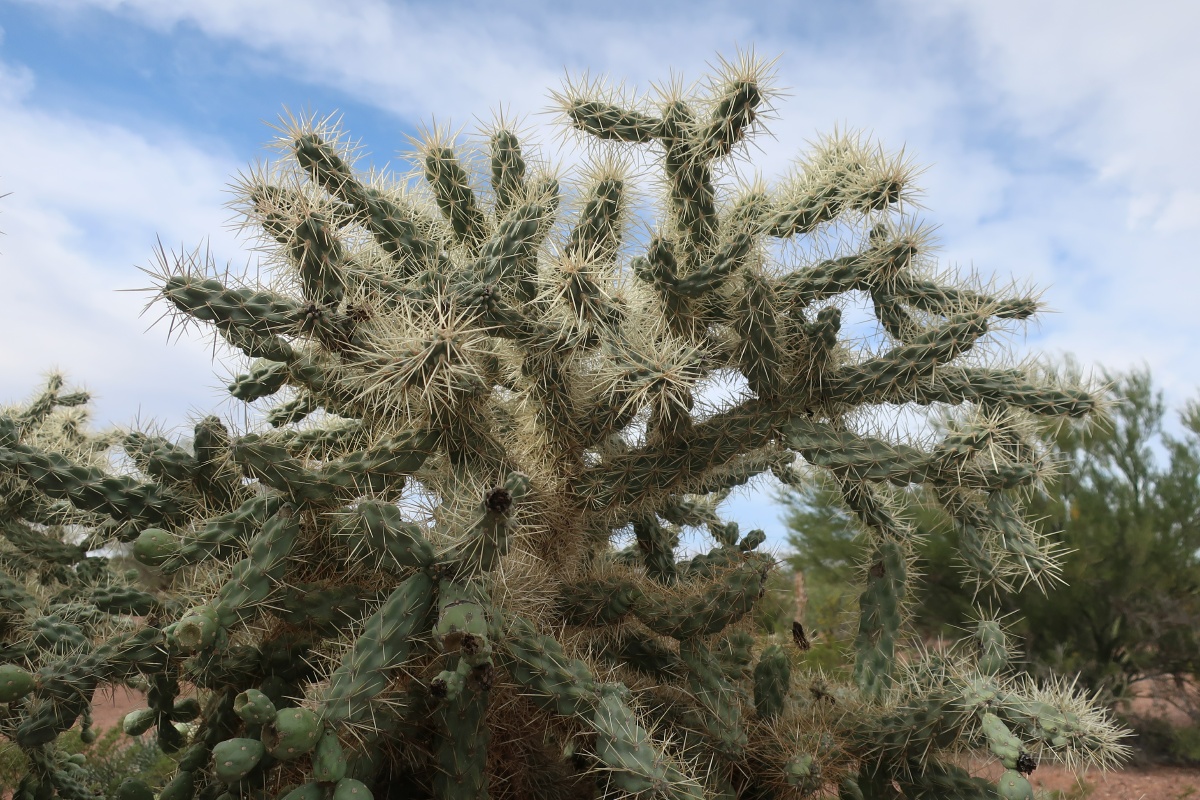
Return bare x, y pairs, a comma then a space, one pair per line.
451, 565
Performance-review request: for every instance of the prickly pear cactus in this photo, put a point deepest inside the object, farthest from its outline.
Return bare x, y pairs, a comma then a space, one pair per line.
451, 566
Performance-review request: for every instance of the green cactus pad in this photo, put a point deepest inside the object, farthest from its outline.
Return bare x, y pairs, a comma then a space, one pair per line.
133, 789
309, 791
15, 683
292, 733
137, 722
351, 789
1012, 785
254, 707
233, 759
197, 630
328, 758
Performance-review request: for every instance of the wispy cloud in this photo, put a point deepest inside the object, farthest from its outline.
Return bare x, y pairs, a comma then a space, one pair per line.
88, 201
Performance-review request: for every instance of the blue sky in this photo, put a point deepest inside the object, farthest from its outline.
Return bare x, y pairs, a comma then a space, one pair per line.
1059, 141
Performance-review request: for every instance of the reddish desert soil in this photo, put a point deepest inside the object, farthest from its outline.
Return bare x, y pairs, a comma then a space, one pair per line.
1153, 783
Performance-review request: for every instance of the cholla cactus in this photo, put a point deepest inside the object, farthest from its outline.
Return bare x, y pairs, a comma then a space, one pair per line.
453, 565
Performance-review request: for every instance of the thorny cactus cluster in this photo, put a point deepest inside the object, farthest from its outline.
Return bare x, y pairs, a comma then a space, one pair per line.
452, 566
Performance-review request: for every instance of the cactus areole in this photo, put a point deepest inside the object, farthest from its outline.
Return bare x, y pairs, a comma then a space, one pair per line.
448, 564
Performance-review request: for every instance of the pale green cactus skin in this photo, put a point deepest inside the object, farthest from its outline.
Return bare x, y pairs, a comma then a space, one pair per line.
481, 388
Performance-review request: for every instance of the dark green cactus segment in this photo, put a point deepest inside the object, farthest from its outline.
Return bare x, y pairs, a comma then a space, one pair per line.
993, 647
462, 624
15, 683
181, 787
324, 441
41, 546
259, 312
323, 608
124, 600
219, 536
320, 258
645, 654
257, 345
990, 386
733, 652
351, 789
196, 630
733, 114
728, 258
902, 367
993, 530
772, 681
722, 719
292, 411
659, 267
880, 620
836, 276
133, 789
508, 171
938, 779
233, 759
328, 758
689, 177
255, 576
254, 707
462, 747
721, 603
377, 468
383, 644
862, 458
1012, 785
599, 602
265, 378
154, 546
625, 748
292, 733
509, 255
755, 323
380, 530
1000, 740
452, 189
137, 722
893, 316
657, 546
597, 232
158, 458
609, 121
89, 488
559, 683
56, 635
937, 299
392, 226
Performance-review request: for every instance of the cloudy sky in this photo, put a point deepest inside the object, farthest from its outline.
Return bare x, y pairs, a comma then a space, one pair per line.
1059, 139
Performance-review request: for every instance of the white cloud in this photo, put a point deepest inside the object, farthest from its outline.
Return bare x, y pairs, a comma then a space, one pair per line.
88, 199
